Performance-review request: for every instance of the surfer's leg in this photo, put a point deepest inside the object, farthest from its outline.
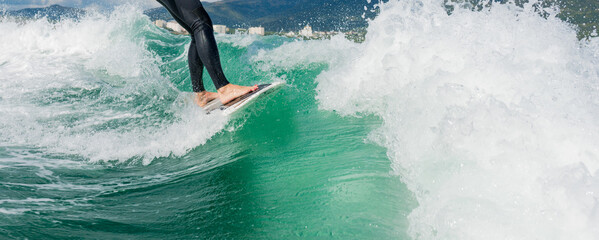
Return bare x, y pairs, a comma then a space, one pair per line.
171, 7
196, 70
196, 67
192, 16
206, 45
201, 25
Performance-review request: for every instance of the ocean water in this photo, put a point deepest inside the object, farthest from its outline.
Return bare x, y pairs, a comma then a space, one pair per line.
474, 125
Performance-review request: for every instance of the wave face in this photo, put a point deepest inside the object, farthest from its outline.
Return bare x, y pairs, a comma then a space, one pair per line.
100, 139
489, 117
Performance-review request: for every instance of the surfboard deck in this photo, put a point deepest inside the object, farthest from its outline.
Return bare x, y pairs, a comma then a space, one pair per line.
243, 101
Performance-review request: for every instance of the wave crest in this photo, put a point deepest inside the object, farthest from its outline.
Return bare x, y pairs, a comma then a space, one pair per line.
490, 118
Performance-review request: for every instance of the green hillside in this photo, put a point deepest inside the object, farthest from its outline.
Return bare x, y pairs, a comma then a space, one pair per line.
584, 14
286, 14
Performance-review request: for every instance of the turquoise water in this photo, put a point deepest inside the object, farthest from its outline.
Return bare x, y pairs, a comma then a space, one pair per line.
281, 169
474, 125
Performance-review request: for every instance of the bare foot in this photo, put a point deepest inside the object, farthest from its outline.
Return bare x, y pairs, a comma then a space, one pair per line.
231, 91
203, 98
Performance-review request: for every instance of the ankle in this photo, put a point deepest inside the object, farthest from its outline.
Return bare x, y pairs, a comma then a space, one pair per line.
201, 94
224, 89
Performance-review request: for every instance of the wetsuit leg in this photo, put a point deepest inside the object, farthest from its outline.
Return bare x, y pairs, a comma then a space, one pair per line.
196, 67
195, 19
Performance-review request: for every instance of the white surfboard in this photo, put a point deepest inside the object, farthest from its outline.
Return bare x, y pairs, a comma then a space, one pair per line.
243, 101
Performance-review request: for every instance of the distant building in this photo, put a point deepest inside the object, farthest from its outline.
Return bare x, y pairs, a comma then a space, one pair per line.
241, 30
256, 30
175, 27
160, 23
306, 32
222, 29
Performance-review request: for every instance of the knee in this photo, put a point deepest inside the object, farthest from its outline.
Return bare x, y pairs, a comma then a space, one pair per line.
202, 20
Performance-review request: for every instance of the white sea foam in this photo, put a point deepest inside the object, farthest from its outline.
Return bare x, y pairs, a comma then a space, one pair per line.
63, 85
20, 206
490, 118
28, 200
14, 211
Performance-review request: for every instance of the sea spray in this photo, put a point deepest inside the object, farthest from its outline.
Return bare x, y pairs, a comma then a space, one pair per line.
490, 118
94, 88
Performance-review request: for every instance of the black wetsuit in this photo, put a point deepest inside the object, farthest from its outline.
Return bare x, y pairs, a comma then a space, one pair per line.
190, 14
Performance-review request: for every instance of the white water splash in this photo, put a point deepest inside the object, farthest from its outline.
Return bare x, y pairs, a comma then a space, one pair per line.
490, 118
91, 88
